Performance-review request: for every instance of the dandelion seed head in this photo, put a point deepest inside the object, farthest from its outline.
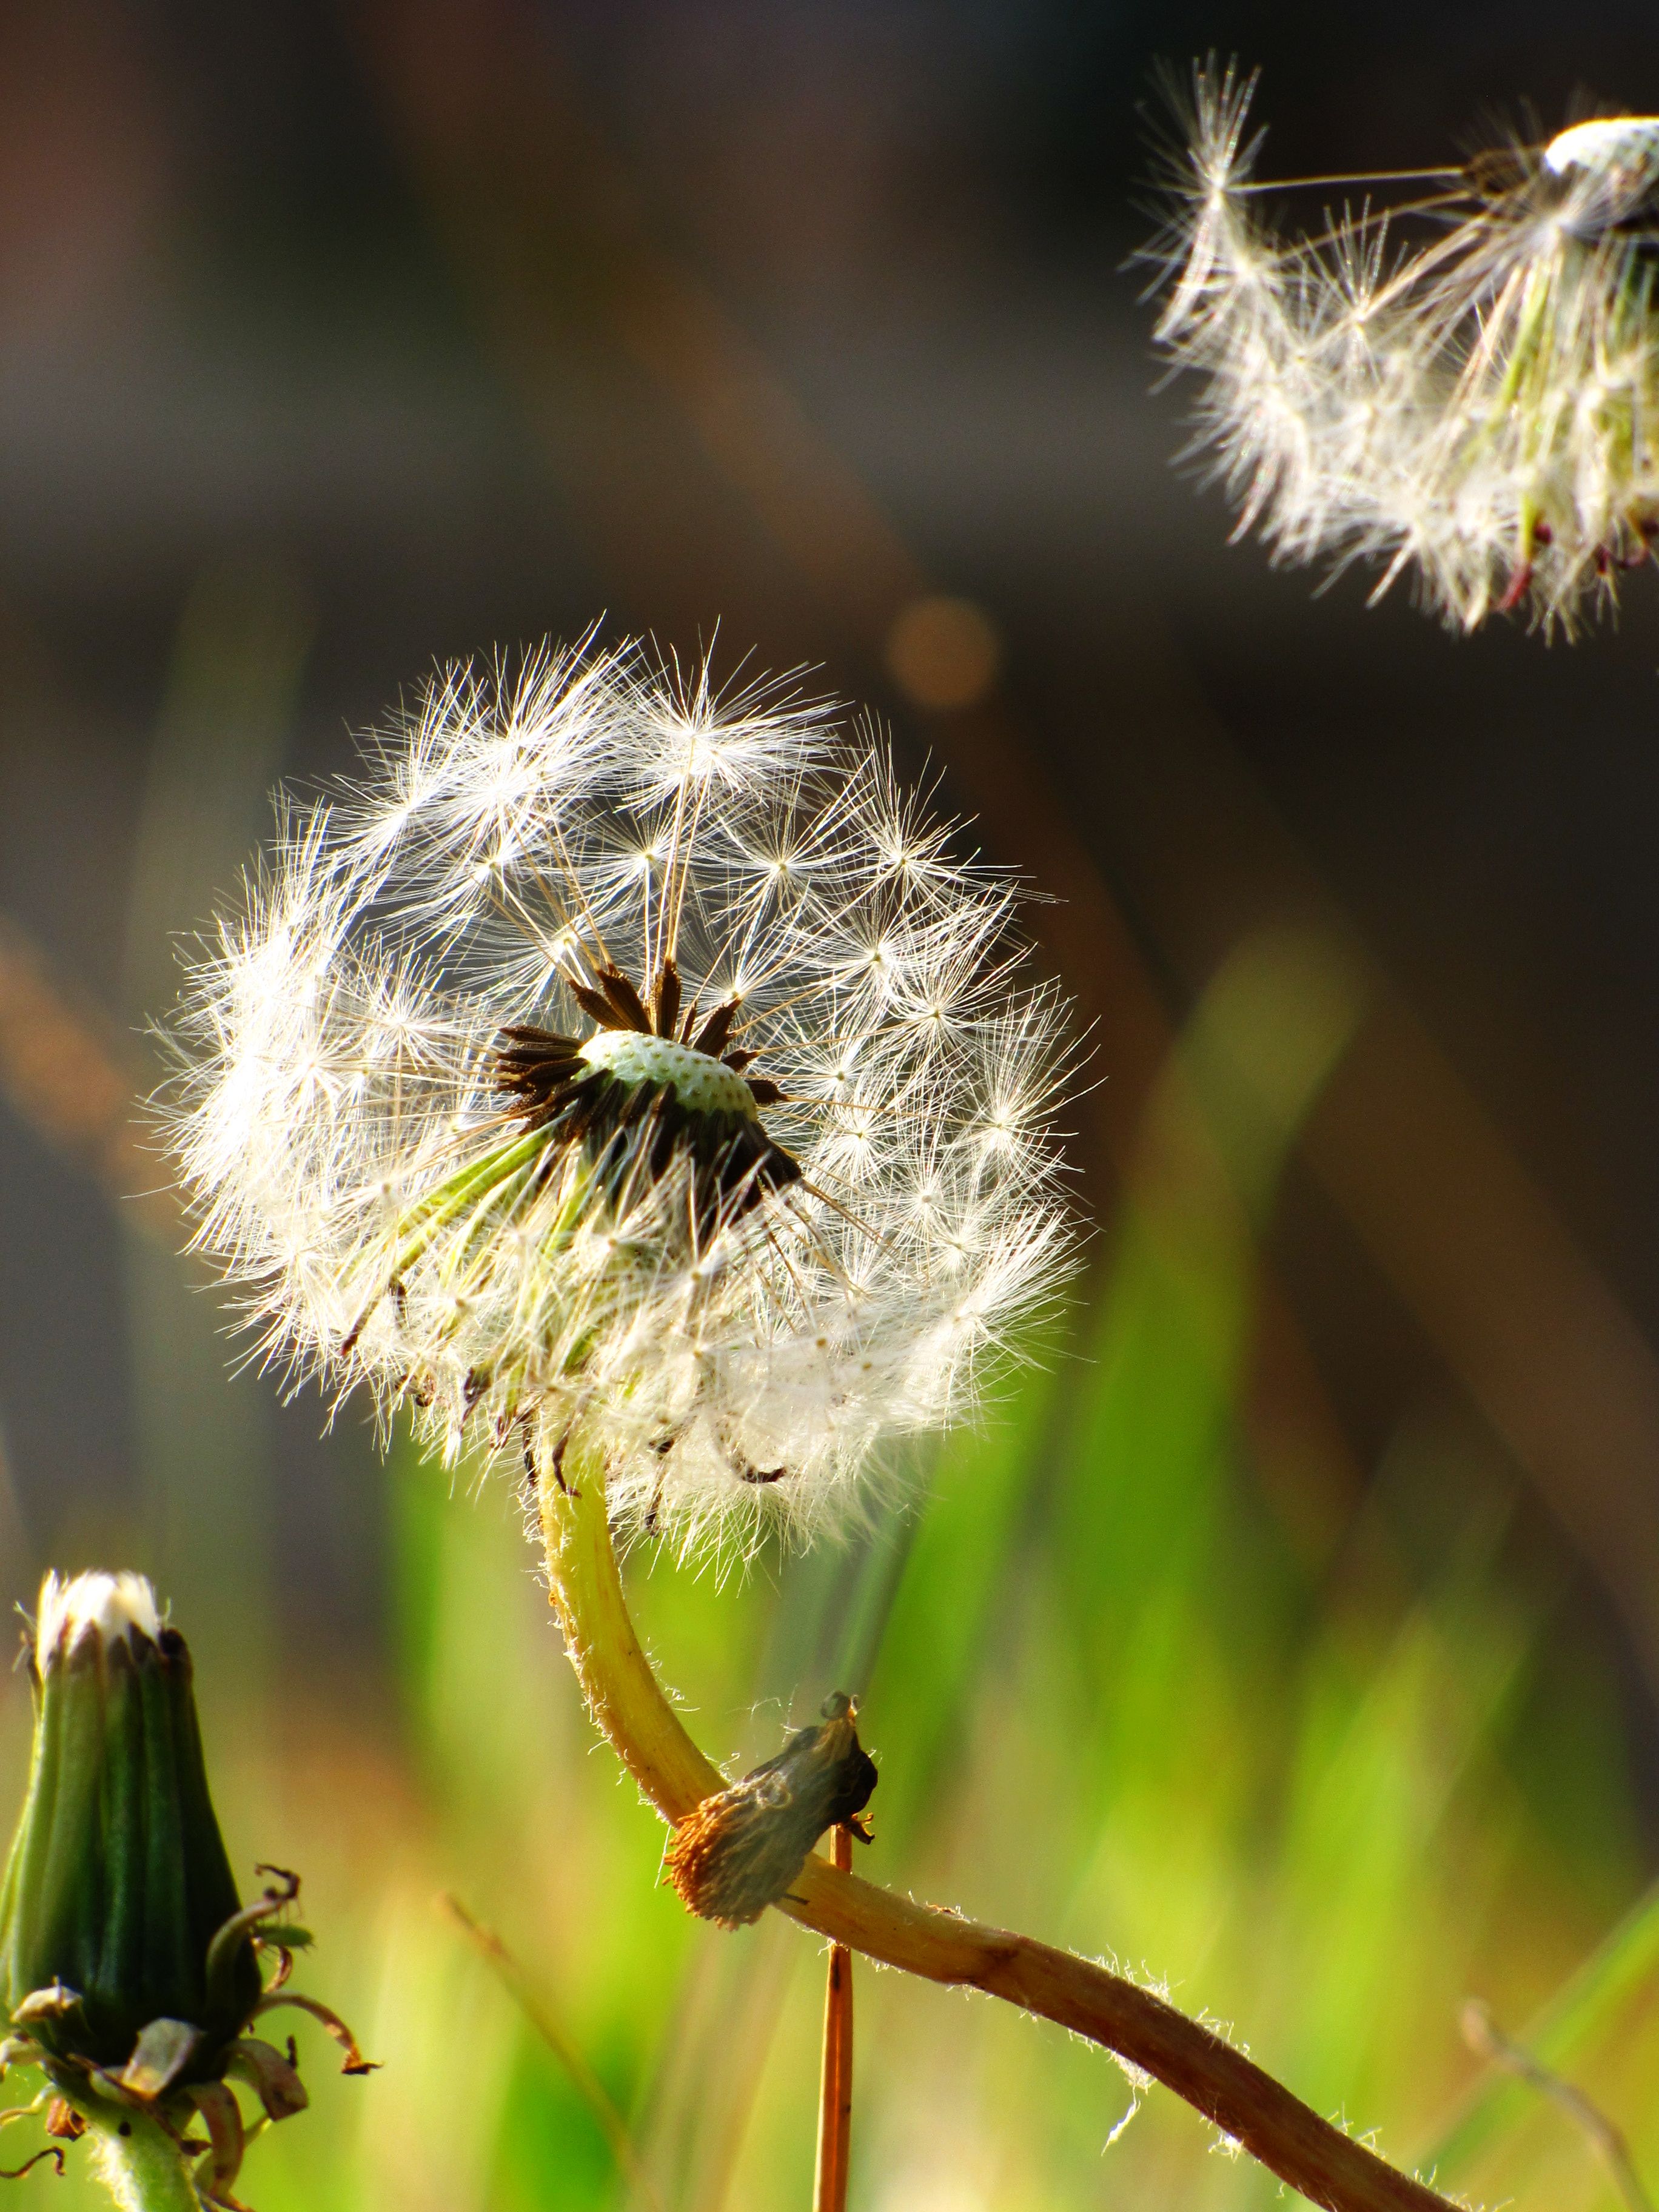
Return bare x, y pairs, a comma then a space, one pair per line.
1465, 389
616, 1058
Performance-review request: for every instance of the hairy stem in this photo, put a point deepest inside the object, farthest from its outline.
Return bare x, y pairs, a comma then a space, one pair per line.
626, 1701
143, 2168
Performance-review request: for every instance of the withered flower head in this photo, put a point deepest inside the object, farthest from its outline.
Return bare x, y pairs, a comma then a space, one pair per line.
619, 1059
739, 1851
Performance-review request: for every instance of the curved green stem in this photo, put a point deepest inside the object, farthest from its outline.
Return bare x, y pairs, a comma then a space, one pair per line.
627, 1702
623, 1696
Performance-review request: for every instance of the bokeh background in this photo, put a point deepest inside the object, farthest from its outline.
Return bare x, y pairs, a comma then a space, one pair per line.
1293, 1637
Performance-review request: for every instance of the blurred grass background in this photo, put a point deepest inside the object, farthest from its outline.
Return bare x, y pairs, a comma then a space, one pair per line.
1291, 1633
1115, 1702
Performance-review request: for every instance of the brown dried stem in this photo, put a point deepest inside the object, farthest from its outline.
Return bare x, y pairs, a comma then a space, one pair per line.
625, 1699
835, 2092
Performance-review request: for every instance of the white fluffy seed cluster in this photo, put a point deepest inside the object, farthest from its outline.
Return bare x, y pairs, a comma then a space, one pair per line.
359, 1174
1466, 389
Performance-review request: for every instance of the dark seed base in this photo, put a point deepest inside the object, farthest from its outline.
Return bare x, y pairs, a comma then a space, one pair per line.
640, 1130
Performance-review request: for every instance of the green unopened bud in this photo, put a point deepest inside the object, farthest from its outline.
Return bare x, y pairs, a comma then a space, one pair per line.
129, 1967
118, 1881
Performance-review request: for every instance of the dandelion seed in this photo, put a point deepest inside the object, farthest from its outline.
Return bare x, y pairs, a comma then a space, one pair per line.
613, 1057
1479, 406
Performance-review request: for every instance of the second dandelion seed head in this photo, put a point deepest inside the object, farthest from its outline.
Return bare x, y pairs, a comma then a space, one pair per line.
615, 1061
1463, 388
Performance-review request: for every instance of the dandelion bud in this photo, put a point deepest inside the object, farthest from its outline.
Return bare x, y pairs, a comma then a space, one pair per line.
119, 1880
129, 1967
739, 1851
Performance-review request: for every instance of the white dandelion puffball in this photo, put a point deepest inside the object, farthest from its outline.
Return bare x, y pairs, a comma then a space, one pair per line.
1465, 388
614, 1063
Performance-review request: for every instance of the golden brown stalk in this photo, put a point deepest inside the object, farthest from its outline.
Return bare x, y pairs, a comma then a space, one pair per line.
835, 2092
625, 1700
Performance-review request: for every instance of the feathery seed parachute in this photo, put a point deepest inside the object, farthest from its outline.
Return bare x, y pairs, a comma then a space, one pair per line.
1465, 389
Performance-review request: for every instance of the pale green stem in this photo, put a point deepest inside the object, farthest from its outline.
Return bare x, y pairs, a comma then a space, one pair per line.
144, 2169
627, 1701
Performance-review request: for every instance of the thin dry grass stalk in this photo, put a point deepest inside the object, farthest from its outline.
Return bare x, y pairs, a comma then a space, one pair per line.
513, 1978
836, 2094
1482, 2033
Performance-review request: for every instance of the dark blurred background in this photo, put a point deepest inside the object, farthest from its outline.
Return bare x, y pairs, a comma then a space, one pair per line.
335, 343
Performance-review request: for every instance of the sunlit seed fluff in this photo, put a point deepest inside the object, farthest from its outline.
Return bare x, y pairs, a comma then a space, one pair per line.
614, 1062
1465, 388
